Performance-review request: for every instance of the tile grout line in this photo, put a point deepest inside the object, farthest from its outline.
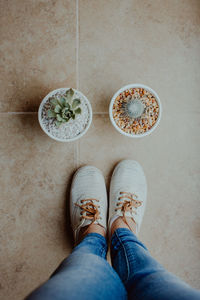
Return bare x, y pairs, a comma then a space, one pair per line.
77, 44
35, 112
77, 151
18, 113
77, 144
101, 113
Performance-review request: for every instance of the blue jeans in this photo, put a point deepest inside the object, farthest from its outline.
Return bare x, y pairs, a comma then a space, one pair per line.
86, 274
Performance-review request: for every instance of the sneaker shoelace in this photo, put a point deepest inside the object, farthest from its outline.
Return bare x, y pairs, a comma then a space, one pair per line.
89, 210
128, 203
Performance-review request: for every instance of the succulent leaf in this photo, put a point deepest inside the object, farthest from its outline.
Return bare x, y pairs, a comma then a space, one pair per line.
54, 101
73, 116
51, 114
62, 101
69, 93
78, 111
75, 103
58, 123
59, 118
66, 113
57, 109
67, 105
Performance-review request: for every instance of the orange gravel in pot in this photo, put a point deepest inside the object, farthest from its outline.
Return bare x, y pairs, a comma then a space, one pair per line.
135, 110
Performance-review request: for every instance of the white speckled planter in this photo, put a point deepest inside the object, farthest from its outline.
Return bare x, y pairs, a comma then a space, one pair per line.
135, 85
63, 90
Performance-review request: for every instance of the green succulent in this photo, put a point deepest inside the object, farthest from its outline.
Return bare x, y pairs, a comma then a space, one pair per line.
64, 108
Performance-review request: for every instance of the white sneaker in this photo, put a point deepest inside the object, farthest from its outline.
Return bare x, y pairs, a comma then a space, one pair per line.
128, 191
88, 199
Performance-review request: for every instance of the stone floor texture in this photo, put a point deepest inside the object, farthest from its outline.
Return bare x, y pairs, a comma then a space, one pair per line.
96, 47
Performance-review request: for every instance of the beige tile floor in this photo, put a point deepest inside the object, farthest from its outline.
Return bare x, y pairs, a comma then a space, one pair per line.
97, 47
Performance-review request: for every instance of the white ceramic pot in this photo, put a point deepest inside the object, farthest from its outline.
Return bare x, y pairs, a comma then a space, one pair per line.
135, 85
63, 90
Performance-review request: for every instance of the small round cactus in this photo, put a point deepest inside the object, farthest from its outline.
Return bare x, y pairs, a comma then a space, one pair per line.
134, 108
64, 108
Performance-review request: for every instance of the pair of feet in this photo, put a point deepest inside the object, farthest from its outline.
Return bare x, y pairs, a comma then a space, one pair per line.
89, 205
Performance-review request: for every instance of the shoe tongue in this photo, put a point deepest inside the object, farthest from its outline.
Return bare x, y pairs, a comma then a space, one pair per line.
86, 222
127, 214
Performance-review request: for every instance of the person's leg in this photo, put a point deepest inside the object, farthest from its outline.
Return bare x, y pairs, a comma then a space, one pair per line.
143, 277
85, 274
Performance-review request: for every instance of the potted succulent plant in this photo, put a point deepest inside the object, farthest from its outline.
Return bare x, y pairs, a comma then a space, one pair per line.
65, 114
135, 110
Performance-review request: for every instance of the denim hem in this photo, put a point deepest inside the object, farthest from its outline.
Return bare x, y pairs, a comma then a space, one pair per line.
99, 236
125, 232
121, 230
